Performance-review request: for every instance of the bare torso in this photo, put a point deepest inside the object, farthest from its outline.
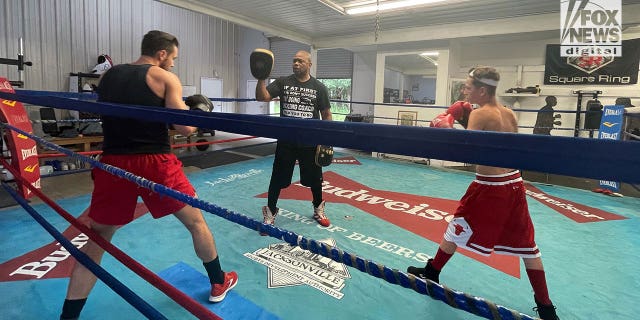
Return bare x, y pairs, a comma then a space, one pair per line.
493, 117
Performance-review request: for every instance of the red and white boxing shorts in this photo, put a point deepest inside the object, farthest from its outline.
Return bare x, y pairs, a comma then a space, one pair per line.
493, 216
114, 199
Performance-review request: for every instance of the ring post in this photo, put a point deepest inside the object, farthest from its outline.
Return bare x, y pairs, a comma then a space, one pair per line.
24, 152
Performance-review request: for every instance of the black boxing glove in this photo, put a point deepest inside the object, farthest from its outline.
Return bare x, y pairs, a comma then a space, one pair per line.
324, 155
261, 63
199, 102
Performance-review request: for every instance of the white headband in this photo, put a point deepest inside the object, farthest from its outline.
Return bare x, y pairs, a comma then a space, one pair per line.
487, 81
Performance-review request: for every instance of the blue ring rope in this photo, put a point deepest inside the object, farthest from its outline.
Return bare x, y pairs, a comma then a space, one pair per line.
117, 286
93, 96
578, 157
456, 299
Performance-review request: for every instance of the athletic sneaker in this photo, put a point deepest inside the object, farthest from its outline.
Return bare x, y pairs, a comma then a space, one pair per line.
318, 214
268, 217
219, 291
428, 272
546, 312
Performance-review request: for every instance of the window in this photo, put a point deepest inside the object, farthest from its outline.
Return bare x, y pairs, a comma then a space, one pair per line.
339, 89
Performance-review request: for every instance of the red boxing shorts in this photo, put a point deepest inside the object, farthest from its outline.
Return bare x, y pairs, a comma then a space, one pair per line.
114, 199
493, 216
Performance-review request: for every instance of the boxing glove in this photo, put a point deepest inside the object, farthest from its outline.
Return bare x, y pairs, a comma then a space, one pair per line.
261, 63
460, 110
199, 102
443, 120
324, 155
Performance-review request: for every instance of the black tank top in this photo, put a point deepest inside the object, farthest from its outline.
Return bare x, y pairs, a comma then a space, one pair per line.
126, 84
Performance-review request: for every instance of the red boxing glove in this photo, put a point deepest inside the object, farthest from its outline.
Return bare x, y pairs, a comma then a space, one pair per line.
443, 120
460, 110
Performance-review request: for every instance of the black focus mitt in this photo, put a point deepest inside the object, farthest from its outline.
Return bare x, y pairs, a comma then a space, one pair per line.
324, 155
261, 63
199, 102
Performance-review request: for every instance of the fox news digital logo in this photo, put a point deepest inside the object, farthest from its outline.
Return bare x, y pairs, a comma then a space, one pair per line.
590, 28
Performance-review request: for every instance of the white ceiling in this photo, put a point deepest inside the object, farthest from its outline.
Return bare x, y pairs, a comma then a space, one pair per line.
310, 21
409, 30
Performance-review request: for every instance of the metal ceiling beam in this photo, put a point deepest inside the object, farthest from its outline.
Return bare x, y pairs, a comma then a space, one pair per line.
527, 24
205, 8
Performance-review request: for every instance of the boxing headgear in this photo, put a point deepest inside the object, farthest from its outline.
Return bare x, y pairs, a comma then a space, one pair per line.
199, 102
261, 63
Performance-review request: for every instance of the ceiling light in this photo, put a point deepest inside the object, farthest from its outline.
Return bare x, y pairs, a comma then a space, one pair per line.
430, 53
428, 58
387, 5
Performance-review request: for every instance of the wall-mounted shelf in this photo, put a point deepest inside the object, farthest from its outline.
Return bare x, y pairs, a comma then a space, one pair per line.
519, 95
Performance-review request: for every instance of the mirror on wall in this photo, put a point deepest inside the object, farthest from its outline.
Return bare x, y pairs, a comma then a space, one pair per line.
410, 78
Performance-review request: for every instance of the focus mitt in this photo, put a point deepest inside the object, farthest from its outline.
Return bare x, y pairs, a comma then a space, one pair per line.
324, 155
261, 63
199, 102
460, 110
443, 120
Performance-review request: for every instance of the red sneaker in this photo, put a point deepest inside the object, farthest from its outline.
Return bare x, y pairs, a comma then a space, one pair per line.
219, 291
320, 216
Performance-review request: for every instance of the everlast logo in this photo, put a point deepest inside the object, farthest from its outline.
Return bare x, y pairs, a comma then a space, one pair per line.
10, 103
26, 153
613, 112
20, 118
36, 184
612, 136
614, 185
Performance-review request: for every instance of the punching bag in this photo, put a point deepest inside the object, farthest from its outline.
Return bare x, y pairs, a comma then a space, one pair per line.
594, 115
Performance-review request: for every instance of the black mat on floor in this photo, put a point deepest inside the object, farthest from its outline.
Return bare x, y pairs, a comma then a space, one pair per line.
263, 149
6, 200
212, 159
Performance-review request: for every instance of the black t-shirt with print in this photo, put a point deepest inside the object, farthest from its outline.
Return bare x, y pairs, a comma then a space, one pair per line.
298, 99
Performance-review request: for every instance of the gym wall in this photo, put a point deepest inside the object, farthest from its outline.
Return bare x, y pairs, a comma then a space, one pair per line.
63, 36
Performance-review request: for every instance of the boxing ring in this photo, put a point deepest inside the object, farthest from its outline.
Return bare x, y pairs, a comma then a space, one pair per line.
366, 235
